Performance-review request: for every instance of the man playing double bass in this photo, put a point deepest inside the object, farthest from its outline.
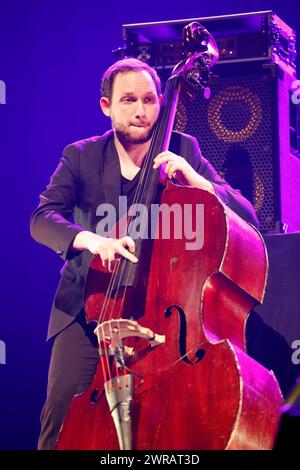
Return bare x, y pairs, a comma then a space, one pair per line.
92, 172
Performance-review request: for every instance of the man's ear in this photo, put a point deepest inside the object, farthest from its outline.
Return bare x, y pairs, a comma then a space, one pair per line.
104, 103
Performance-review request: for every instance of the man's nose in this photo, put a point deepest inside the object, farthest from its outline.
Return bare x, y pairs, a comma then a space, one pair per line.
140, 108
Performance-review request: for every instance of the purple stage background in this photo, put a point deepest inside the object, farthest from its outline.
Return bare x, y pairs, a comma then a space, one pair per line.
52, 56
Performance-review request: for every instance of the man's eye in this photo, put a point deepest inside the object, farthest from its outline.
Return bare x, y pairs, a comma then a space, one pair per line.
150, 99
128, 100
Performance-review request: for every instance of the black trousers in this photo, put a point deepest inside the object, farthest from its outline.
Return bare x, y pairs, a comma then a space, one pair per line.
73, 364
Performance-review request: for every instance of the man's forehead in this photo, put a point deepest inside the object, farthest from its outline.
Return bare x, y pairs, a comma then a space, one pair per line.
132, 81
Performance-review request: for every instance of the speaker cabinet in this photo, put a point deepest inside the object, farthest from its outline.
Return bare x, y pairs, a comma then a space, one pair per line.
247, 129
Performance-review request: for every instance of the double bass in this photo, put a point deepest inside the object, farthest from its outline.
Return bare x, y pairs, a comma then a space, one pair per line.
173, 370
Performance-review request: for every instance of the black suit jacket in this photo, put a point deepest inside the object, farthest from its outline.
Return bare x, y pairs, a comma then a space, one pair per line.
88, 175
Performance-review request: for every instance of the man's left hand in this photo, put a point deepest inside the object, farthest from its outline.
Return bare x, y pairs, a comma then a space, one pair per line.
180, 170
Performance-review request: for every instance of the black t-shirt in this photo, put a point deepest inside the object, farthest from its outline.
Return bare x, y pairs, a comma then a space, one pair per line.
128, 187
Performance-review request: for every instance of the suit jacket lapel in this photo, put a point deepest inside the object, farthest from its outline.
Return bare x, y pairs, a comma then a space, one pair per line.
111, 174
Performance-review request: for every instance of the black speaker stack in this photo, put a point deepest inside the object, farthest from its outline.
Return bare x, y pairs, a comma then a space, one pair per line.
248, 123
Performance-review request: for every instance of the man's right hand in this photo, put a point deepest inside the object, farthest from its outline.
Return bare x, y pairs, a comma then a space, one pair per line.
109, 249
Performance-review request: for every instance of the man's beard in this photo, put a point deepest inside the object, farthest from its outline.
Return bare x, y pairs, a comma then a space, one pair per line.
125, 137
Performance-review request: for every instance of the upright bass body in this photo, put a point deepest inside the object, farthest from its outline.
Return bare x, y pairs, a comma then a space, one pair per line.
195, 387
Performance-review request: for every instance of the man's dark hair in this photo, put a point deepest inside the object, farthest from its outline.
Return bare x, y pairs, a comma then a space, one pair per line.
126, 65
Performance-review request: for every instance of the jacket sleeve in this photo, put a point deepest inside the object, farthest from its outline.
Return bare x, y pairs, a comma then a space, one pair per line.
49, 223
229, 196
